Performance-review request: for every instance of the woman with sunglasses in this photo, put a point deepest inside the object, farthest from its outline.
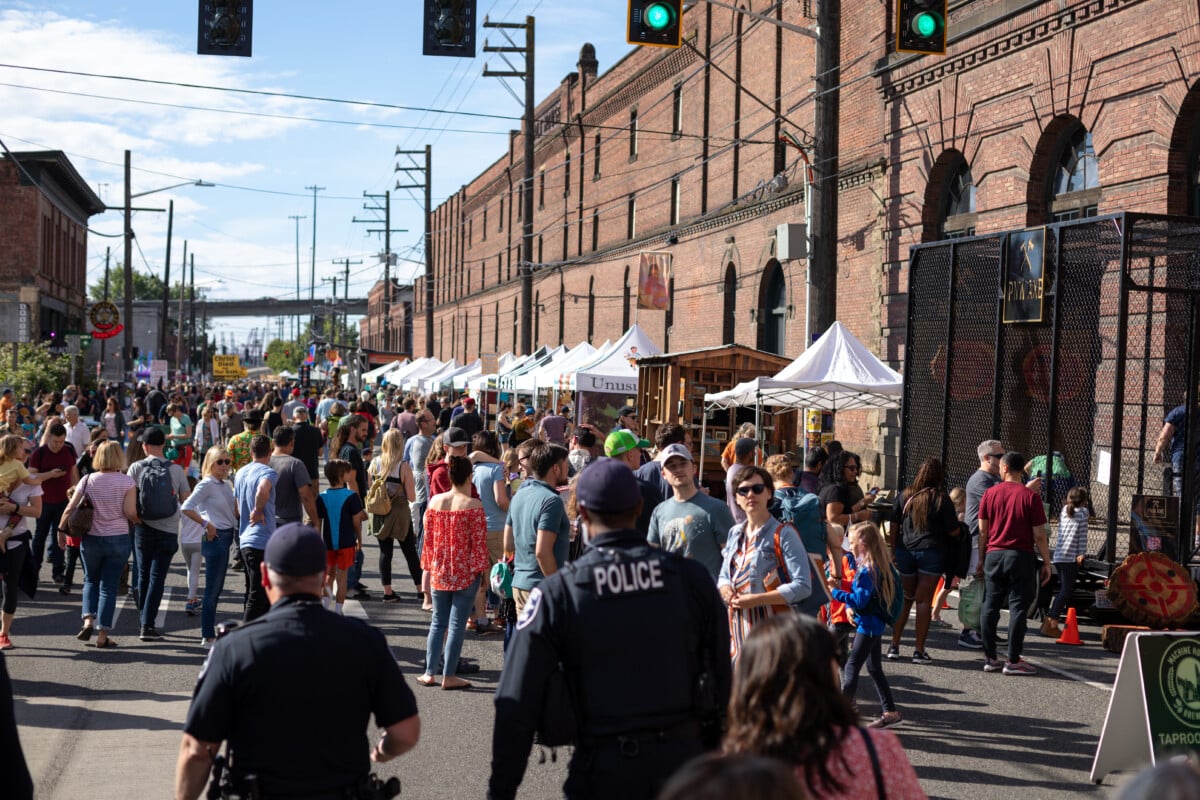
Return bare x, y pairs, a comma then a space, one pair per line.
753, 583
212, 505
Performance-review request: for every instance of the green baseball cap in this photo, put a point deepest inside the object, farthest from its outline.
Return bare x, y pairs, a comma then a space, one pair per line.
622, 441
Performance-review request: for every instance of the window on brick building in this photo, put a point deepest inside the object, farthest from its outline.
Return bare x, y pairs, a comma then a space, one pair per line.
595, 230
772, 328
542, 189
496, 329
516, 327
596, 159
1075, 191
500, 216
484, 235
729, 309
677, 111
591, 309
675, 201
631, 218
562, 310
567, 174
537, 319
479, 348
633, 135
959, 218
625, 302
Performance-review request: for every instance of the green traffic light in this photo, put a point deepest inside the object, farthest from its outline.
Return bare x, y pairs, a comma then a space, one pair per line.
926, 24
658, 16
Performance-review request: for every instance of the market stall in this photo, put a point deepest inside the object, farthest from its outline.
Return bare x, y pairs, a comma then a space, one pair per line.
372, 377
608, 382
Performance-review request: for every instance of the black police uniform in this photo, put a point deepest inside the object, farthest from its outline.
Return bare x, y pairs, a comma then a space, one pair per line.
635, 629
292, 693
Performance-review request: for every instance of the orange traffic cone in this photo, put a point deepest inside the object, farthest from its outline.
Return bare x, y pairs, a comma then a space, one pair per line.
942, 585
1071, 632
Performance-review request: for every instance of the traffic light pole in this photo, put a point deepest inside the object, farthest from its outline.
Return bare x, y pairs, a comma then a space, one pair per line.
525, 268
387, 230
822, 310
427, 185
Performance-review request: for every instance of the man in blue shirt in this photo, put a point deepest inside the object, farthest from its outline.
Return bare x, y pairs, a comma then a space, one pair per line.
538, 530
254, 487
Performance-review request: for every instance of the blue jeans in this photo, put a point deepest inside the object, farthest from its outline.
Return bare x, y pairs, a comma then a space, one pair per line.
155, 549
354, 574
103, 559
451, 610
47, 525
216, 564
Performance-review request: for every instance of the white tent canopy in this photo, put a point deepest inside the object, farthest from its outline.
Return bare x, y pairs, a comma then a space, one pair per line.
373, 376
507, 379
444, 378
545, 375
418, 380
614, 371
412, 376
487, 380
838, 373
396, 376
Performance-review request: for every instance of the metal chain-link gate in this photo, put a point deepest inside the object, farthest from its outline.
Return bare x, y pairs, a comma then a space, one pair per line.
1114, 351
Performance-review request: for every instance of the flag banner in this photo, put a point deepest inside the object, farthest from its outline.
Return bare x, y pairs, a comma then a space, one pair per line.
653, 276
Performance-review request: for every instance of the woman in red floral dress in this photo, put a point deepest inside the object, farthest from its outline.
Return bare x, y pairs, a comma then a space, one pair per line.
454, 554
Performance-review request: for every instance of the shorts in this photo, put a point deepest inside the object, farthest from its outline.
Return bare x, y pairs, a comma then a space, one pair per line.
342, 558
495, 546
926, 562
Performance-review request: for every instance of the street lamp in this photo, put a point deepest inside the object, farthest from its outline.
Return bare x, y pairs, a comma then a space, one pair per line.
128, 359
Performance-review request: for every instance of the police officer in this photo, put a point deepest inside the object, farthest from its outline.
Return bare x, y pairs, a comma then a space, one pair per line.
292, 691
643, 639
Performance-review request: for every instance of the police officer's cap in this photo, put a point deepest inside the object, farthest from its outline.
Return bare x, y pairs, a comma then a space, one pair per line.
608, 486
296, 550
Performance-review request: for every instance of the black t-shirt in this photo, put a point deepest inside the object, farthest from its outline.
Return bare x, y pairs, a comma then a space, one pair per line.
351, 453
308, 448
248, 689
848, 494
942, 520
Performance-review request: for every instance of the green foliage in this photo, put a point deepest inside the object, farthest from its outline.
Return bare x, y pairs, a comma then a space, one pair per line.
146, 286
282, 355
37, 370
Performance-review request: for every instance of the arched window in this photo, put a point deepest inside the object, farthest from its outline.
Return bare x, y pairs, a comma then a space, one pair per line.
1075, 180
496, 330
625, 303
959, 217
537, 320
729, 324
773, 328
479, 333
591, 319
516, 325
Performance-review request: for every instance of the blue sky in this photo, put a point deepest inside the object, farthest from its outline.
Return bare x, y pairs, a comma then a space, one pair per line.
240, 231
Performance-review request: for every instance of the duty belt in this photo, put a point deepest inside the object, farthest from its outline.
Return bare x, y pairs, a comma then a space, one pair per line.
630, 744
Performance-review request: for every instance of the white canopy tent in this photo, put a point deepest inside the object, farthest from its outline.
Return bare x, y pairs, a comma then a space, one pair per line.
373, 376
507, 380
444, 378
614, 371
488, 380
397, 376
413, 376
544, 375
838, 373
458, 381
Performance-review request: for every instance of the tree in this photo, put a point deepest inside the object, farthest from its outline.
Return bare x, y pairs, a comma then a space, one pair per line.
37, 369
146, 286
284, 356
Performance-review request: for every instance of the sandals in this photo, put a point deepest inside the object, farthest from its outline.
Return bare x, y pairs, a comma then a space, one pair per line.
85, 633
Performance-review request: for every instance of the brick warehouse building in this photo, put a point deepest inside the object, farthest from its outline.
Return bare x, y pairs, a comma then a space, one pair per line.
43, 257
1038, 112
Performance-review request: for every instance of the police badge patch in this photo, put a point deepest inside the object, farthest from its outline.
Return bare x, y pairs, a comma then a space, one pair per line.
531, 608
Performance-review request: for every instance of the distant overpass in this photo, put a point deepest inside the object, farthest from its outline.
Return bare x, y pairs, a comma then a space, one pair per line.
265, 307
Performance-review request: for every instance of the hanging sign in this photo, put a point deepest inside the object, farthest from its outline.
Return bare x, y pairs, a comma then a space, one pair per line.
1024, 276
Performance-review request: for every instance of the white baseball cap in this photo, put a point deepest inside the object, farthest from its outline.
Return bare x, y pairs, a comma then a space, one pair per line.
673, 451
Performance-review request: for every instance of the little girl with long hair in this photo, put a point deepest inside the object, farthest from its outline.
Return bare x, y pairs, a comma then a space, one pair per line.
1068, 555
873, 590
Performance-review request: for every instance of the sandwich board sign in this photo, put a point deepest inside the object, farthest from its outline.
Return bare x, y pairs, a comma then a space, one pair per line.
1154, 710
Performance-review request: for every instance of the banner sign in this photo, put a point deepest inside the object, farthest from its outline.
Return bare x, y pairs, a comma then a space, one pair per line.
1154, 711
653, 276
1024, 276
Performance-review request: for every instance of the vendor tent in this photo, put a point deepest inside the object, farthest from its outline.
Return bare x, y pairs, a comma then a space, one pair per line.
486, 381
615, 371
543, 376
373, 376
397, 376
508, 379
838, 373
412, 377
458, 381
445, 379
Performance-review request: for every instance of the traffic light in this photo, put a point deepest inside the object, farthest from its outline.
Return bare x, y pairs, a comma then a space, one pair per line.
449, 28
225, 28
921, 26
657, 23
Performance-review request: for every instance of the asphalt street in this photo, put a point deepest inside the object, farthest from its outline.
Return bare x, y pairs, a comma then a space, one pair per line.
106, 723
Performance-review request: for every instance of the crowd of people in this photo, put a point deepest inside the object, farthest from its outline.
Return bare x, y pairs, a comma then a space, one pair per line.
532, 527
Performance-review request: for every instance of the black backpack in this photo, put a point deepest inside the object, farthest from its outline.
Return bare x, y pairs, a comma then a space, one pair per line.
156, 490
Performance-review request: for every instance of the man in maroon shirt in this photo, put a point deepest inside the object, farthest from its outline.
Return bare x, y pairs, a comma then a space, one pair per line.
1012, 521
55, 454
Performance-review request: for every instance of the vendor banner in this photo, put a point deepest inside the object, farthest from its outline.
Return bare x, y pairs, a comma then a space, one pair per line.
653, 276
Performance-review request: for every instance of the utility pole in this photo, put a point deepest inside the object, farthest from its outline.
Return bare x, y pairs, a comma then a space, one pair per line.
312, 277
103, 342
296, 319
166, 296
179, 324
823, 254
428, 276
346, 288
387, 232
192, 315
127, 356
525, 268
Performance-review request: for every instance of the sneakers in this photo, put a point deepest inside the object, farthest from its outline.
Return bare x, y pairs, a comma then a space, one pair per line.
889, 719
5, 642
192, 607
921, 657
939, 623
993, 665
893, 653
1019, 667
390, 598
970, 640
150, 634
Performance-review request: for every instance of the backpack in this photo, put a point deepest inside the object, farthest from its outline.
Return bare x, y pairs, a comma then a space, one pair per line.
378, 502
156, 490
889, 614
802, 510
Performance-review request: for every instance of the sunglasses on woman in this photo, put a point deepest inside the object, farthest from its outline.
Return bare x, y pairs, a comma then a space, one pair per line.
223, 462
754, 488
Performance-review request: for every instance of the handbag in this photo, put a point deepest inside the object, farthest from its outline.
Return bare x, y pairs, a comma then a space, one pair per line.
79, 521
818, 597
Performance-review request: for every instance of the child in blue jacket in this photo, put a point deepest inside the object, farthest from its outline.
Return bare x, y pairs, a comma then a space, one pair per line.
869, 558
